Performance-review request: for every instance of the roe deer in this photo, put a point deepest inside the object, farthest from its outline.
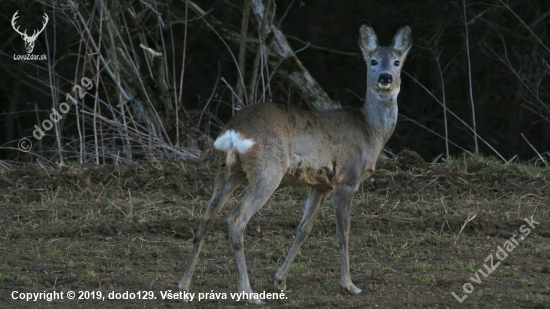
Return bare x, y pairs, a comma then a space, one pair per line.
330, 151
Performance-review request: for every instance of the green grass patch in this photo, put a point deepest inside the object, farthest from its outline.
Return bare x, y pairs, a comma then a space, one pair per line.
490, 164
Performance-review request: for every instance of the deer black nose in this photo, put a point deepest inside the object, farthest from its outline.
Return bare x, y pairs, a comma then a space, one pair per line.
385, 78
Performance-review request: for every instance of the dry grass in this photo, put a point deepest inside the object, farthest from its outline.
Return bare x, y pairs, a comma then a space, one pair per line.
128, 228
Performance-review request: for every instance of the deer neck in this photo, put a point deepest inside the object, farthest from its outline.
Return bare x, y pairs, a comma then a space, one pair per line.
380, 111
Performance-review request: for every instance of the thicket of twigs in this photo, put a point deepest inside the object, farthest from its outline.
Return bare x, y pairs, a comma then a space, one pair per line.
167, 74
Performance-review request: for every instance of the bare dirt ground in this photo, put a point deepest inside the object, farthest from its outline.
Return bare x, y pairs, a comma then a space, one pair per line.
129, 228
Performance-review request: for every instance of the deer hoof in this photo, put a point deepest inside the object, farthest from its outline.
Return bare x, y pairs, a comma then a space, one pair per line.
279, 284
354, 291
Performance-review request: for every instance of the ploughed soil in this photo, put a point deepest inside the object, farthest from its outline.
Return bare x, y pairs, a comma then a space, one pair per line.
419, 233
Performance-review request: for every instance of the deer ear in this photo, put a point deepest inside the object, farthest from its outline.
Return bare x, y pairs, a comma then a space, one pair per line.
368, 41
402, 41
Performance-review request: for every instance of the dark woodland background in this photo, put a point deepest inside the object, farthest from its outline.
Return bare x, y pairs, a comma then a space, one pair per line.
142, 108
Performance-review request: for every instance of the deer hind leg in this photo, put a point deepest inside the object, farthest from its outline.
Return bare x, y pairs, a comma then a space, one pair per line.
259, 190
342, 201
315, 199
226, 182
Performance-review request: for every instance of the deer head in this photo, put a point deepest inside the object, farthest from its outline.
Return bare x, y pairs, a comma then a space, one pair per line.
29, 40
384, 63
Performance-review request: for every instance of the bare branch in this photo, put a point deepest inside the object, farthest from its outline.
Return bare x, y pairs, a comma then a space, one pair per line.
280, 56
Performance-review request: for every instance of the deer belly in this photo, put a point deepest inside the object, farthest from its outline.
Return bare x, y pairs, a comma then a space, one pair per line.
301, 173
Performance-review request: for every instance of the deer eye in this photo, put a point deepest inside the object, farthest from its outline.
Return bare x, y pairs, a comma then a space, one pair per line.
373, 62
396, 63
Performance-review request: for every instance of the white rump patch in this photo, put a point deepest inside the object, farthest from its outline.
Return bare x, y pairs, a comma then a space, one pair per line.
230, 142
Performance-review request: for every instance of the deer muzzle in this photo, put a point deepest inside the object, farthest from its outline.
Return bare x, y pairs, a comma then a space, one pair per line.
385, 80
